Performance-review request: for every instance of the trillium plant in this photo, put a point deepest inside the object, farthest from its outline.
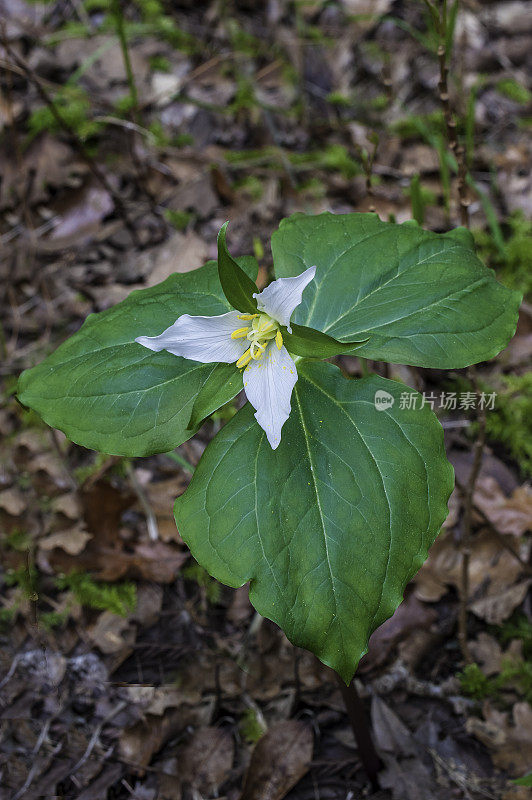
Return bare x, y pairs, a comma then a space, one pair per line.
323, 492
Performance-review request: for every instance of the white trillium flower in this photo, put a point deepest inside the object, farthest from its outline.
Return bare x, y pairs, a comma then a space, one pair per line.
253, 341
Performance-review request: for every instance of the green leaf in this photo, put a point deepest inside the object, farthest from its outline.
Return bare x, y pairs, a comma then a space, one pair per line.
311, 343
422, 298
225, 381
331, 526
236, 284
109, 393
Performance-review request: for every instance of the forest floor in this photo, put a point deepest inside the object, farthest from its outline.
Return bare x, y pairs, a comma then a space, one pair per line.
125, 670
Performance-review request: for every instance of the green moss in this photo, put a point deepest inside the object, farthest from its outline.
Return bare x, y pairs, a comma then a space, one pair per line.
17, 539
512, 261
194, 572
26, 579
339, 99
414, 126
511, 420
160, 64
250, 186
119, 598
74, 106
54, 619
517, 627
178, 219
474, 683
250, 727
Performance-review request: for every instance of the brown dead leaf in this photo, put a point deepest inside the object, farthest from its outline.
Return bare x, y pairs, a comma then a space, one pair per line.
207, 760
107, 68
405, 775
152, 561
72, 541
46, 163
488, 653
496, 584
138, 743
181, 253
280, 759
511, 515
67, 504
83, 213
410, 616
13, 501
509, 739
161, 496
500, 602
111, 633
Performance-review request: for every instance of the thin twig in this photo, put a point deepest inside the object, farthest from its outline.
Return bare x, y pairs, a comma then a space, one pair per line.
96, 734
460, 155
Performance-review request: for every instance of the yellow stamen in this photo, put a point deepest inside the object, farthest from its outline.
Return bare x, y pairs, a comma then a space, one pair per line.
244, 359
279, 339
239, 333
247, 316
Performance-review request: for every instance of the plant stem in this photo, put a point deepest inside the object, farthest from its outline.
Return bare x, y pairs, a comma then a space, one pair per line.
454, 145
361, 730
118, 14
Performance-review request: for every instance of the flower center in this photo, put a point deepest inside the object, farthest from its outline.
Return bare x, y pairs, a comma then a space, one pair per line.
261, 330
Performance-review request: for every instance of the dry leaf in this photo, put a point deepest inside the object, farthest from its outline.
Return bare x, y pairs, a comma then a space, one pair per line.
181, 253
206, 760
405, 774
280, 759
111, 633
511, 515
488, 653
510, 740
496, 587
83, 214
410, 616
67, 504
12, 500
500, 602
72, 541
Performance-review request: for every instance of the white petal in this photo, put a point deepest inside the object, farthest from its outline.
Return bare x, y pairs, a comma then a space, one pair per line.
205, 339
268, 385
282, 297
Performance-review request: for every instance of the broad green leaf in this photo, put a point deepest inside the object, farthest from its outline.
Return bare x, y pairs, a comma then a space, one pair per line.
236, 284
421, 298
311, 343
225, 381
109, 393
331, 526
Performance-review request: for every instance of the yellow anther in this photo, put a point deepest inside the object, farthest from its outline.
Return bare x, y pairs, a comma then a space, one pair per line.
279, 339
244, 359
247, 316
239, 333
